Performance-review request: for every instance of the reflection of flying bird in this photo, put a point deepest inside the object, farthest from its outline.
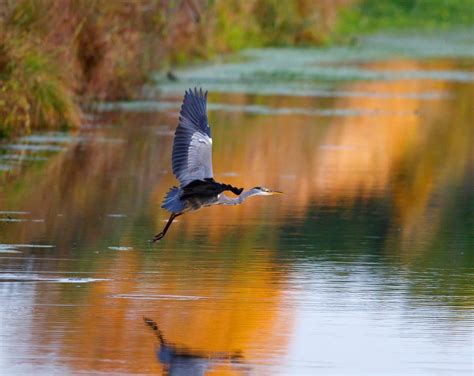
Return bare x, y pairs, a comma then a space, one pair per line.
183, 361
192, 165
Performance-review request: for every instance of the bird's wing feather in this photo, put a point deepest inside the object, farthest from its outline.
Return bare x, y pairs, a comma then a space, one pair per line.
192, 148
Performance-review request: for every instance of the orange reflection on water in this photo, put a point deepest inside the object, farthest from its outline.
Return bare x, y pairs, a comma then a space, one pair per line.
243, 314
394, 147
396, 144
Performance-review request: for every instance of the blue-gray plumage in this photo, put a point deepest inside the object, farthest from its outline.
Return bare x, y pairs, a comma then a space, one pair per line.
192, 148
192, 164
181, 361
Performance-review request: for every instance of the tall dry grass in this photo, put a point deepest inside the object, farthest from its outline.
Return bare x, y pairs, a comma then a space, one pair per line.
57, 54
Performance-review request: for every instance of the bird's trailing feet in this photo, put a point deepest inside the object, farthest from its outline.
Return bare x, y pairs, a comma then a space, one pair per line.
162, 234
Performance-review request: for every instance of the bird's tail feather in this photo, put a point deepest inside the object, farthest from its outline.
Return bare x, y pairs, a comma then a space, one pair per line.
172, 201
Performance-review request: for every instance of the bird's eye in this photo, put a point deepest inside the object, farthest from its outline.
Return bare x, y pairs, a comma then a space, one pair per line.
258, 188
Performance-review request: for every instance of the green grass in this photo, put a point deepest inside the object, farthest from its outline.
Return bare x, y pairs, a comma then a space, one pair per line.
374, 15
32, 93
106, 49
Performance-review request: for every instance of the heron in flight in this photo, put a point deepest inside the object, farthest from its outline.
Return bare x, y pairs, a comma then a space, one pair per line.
192, 165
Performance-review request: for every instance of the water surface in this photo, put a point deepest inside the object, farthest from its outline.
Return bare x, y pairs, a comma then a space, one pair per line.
364, 266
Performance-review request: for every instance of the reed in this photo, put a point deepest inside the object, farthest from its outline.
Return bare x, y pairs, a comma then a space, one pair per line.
33, 91
57, 54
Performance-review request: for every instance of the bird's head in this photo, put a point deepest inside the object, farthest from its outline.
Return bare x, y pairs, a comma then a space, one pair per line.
262, 191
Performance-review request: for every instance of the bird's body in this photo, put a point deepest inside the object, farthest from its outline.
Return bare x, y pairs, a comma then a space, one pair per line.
192, 165
197, 194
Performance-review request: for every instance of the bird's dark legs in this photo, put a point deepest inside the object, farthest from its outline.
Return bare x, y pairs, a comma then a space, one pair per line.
155, 329
163, 233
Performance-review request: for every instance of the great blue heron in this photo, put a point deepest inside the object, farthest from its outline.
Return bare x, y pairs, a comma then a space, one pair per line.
192, 165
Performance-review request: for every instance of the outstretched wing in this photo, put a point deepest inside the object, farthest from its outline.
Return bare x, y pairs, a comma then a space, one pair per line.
192, 148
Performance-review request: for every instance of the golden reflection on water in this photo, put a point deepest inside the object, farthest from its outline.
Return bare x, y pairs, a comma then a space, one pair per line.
403, 149
409, 150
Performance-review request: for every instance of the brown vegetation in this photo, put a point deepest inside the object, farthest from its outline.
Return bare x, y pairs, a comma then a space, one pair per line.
56, 54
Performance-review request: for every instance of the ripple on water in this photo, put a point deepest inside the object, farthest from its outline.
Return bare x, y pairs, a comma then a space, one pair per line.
28, 147
10, 219
48, 138
119, 248
16, 277
257, 109
5, 248
116, 215
14, 212
156, 297
30, 245
19, 158
316, 72
13, 248
64, 138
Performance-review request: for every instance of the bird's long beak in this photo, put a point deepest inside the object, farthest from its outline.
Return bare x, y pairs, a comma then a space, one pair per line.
276, 193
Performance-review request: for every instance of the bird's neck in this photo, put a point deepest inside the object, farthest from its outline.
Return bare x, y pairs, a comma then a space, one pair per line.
226, 200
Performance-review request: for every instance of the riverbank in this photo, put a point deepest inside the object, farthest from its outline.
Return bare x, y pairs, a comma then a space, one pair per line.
57, 55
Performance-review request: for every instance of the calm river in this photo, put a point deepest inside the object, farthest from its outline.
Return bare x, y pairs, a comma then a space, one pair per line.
364, 266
